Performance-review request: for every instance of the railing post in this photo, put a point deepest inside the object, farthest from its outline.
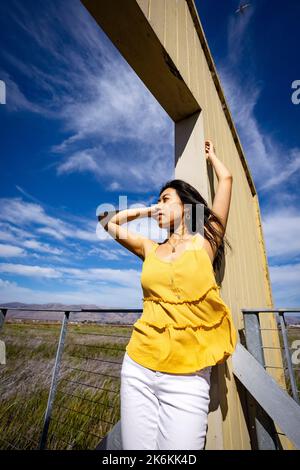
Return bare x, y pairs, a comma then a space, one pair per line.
53, 387
2, 343
265, 429
288, 358
2, 316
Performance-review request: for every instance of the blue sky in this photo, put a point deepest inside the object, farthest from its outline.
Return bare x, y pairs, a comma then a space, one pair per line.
79, 129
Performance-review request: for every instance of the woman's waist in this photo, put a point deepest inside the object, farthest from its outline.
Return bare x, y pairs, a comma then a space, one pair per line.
209, 311
177, 295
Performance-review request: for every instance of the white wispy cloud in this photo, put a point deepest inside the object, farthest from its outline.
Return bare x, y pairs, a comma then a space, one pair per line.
96, 96
31, 214
11, 251
74, 239
271, 163
274, 166
127, 277
43, 247
29, 271
16, 99
285, 281
106, 296
281, 229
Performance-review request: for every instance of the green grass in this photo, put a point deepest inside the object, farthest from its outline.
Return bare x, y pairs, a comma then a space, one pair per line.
86, 404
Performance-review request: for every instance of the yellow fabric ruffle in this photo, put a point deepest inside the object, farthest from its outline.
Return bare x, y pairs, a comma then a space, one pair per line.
182, 348
202, 324
185, 325
184, 301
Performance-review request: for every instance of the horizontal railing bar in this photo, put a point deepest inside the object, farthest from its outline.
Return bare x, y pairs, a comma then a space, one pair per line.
38, 431
97, 347
85, 399
33, 338
272, 329
269, 329
271, 310
79, 430
97, 418
57, 310
89, 385
92, 372
138, 310
9, 443
74, 310
53, 431
275, 367
113, 310
94, 359
24, 436
30, 340
59, 439
29, 440
97, 334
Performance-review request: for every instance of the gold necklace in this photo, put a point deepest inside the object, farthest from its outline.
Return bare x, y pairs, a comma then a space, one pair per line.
174, 246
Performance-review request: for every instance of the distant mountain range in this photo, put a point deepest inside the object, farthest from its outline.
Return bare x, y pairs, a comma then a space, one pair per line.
31, 312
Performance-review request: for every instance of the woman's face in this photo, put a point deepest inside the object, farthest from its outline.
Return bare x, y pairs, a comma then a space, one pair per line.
171, 209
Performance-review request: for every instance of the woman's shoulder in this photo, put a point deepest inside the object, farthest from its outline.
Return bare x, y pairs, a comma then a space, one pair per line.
149, 245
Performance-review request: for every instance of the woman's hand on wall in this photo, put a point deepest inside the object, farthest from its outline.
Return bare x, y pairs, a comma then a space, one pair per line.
209, 150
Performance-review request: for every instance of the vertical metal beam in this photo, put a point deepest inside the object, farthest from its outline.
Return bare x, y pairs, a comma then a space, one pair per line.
266, 434
190, 161
53, 387
288, 358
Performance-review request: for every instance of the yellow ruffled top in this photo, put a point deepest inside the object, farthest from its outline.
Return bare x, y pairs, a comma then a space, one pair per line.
185, 325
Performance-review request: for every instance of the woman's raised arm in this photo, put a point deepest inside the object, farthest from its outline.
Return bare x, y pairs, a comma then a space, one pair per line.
222, 199
112, 221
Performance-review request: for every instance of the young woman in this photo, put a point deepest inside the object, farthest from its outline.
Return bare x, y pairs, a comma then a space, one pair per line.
186, 328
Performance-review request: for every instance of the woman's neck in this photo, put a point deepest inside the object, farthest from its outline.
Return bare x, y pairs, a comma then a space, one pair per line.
179, 234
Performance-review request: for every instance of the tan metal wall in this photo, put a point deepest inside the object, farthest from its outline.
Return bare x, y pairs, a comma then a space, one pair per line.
246, 283
194, 87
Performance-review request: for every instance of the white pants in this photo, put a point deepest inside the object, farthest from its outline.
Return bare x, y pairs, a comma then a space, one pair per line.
160, 410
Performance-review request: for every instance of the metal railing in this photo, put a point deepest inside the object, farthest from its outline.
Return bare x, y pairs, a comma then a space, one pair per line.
255, 346
90, 401
83, 389
266, 436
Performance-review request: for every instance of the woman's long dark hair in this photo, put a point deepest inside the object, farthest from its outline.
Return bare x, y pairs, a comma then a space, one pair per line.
191, 197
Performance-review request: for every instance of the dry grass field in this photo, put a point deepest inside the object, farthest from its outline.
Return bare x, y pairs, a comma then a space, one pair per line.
86, 404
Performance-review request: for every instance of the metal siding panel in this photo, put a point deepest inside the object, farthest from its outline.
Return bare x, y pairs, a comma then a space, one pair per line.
246, 283
144, 6
211, 108
191, 32
157, 18
232, 439
197, 59
182, 39
171, 42
203, 80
